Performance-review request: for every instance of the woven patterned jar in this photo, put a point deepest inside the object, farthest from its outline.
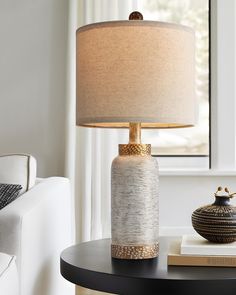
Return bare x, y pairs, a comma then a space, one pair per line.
217, 222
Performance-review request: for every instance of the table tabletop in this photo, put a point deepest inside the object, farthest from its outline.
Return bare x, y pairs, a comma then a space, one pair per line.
90, 265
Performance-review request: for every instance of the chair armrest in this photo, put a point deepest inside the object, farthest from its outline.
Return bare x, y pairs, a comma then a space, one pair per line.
36, 227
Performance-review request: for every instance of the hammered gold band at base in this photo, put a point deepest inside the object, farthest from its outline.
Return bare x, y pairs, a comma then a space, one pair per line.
132, 149
135, 252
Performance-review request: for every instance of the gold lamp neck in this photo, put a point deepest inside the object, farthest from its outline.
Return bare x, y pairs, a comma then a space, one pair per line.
134, 147
134, 133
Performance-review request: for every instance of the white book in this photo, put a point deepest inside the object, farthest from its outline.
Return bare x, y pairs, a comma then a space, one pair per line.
196, 245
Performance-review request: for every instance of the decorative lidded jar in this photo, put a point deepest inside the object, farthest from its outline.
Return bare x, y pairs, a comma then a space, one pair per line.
217, 222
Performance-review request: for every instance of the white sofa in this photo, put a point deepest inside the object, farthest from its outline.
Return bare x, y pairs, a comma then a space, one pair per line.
35, 228
8, 275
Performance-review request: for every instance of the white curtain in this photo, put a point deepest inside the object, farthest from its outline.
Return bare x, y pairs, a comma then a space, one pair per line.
95, 148
70, 134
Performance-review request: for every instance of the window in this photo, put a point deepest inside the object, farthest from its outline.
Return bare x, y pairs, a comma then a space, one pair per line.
190, 142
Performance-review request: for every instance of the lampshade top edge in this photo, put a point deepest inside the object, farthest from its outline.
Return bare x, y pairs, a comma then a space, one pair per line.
134, 23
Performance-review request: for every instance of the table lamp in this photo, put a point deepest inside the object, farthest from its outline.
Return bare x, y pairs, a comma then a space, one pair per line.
135, 74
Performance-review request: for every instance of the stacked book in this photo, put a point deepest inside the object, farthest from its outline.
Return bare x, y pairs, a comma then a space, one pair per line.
196, 251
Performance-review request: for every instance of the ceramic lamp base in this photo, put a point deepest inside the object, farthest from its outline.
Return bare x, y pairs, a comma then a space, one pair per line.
134, 203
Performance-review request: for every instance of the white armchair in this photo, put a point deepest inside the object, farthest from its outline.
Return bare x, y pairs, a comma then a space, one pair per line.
35, 228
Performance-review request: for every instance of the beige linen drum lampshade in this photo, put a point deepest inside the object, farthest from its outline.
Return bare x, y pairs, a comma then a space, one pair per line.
135, 74
135, 71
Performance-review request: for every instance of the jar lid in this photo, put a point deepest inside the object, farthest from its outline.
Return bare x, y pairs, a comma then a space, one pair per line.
220, 192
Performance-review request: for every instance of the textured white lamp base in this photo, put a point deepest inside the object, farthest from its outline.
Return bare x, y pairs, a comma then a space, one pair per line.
134, 203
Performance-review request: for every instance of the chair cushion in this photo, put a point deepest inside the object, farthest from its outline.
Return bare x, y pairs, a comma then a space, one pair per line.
18, 169
8, 275
8, 193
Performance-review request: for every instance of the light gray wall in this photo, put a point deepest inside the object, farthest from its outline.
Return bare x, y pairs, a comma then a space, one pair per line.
33, 43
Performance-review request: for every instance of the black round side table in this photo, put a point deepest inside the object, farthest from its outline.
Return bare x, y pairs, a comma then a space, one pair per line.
90, 265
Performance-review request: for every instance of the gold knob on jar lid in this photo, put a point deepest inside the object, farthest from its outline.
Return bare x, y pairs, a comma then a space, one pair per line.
224, 193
